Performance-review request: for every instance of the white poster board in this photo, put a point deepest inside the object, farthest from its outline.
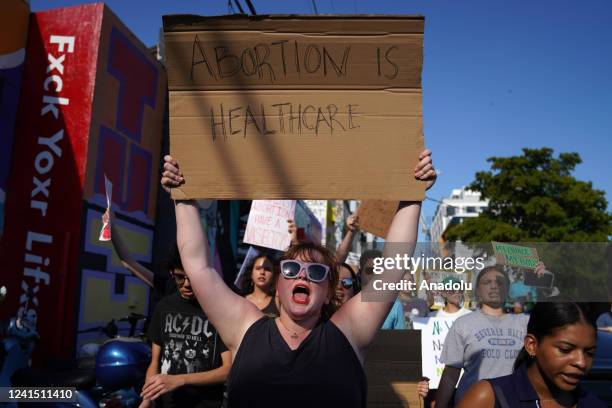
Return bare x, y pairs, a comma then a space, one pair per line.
433, 334
267, 225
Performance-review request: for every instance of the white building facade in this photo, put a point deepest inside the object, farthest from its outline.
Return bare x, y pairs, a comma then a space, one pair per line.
461, 204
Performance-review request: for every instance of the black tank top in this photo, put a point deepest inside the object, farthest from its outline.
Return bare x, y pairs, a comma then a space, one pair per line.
323, 371
271, 310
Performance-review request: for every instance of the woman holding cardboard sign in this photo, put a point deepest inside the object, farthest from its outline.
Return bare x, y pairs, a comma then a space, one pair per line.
301, 349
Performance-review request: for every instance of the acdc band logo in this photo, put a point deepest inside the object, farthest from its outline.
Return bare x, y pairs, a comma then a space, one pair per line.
189, 325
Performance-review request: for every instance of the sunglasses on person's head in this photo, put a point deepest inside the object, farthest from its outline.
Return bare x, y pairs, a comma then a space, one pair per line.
316, 272
346, 283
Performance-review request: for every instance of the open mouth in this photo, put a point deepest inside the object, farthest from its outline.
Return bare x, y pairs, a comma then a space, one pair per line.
301, 294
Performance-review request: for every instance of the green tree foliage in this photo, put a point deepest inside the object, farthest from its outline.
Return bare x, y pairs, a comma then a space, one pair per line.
534, 198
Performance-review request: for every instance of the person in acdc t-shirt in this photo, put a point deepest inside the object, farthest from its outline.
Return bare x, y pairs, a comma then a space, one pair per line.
189, 362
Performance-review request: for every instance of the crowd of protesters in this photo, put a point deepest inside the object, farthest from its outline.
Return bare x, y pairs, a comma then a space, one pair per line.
296, 332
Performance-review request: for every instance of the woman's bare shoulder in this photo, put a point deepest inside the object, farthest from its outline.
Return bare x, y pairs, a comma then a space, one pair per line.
478, 395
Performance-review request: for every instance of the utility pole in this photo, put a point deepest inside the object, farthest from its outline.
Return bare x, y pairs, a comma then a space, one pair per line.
251, 8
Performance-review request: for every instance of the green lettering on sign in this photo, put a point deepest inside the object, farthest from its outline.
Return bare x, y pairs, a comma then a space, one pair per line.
516, 255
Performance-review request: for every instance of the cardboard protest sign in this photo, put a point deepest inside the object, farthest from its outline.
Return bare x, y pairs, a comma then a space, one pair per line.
433, 333
375, 216
266, 107
393, 368
515, 255
267, 225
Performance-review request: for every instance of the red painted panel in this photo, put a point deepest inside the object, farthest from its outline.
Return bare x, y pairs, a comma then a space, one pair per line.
40, 248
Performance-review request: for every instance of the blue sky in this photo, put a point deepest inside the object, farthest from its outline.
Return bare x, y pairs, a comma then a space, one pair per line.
497, 76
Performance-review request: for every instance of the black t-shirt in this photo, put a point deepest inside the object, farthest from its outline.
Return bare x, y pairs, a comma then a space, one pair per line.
323, 371
189, 344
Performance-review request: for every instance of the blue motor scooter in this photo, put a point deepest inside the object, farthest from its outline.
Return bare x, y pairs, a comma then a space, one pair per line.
115, 381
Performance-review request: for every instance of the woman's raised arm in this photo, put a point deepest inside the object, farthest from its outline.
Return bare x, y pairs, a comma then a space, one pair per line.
360, 320
231, 314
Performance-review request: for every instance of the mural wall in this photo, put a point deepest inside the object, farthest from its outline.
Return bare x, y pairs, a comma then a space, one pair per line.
95, 107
